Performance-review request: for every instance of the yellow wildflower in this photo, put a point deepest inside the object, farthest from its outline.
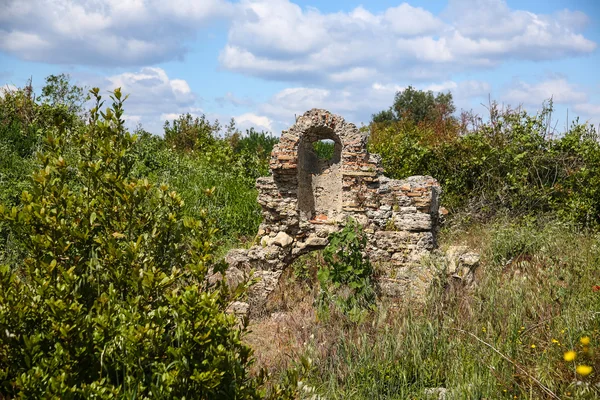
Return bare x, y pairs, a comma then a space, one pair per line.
583, 370
533, 346
585, 340
555, 341
570, 355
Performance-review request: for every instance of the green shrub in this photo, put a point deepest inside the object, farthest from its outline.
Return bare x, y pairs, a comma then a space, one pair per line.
254, 151
346, 279
111, 299
510, 164
187, 133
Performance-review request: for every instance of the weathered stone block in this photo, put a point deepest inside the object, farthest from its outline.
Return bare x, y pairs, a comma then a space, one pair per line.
413, 221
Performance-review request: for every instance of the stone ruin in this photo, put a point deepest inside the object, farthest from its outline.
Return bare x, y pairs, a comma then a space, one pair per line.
307, 198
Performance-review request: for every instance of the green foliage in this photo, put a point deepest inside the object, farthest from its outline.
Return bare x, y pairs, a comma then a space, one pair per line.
509, 164
111, 299
418, 106
22, 119
253, 150
383, 116
216, 182
324, 149
260, 143
187, 133
536, 296
346, 279
58, 91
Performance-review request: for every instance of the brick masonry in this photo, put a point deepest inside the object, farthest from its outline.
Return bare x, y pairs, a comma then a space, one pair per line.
306, 198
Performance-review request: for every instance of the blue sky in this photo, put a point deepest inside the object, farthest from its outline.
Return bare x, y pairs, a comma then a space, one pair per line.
264, 61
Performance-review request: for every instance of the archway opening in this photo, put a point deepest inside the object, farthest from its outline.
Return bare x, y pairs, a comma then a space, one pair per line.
324, 149
319, 176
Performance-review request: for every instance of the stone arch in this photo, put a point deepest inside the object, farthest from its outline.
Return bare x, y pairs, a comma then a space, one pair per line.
306, 199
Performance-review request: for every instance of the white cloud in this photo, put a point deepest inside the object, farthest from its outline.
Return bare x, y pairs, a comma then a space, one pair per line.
441, 87
493, 19
249, 120
588, 112
153, 97
356, 74
588, 109
103, 32
357, 103
557, 88
406, 20
6, 89
277, 39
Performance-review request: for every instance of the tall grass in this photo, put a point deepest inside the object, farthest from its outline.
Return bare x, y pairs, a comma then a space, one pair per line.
506, 338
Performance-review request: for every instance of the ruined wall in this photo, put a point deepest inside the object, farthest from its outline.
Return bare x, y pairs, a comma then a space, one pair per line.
306, 199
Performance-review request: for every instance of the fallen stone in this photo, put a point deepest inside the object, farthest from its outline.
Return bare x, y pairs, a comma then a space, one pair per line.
283, 239
238, 308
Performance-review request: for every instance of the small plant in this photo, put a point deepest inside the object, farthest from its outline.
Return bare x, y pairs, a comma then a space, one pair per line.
390, 225
347, 279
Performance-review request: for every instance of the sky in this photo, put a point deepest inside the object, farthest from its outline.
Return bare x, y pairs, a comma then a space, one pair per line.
263, 62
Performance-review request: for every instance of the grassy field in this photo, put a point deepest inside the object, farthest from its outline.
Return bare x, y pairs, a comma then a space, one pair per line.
535, 300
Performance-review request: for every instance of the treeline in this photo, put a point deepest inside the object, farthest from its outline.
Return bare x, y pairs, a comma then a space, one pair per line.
212, 167
512, 163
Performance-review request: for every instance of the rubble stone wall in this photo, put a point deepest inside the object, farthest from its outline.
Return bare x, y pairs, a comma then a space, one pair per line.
305, 199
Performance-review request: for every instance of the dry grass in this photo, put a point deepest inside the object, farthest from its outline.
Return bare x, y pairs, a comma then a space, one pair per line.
505, 338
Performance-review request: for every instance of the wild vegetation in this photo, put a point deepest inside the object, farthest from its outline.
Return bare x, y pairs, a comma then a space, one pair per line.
107, 238
513, 163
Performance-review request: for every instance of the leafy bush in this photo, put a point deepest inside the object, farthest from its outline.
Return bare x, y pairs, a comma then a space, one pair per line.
212, 173
509, 164
346, 280
187, 133
111, 299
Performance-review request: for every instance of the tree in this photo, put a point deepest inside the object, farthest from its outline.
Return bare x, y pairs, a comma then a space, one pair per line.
418, 106
59, 91
384, 116
187, 133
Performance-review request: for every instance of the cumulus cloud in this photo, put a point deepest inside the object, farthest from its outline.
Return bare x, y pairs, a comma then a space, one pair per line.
589, 109
103, 32
566, 96
277, 39
493, 19
153, 97
588, 112
557, 88
251, 120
